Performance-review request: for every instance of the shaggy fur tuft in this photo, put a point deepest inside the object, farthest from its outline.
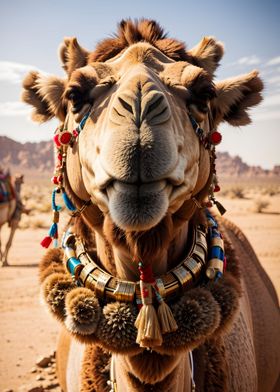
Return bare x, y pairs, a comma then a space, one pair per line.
51, 262
82, 310
116, 330
144, 30
72, 55
227, 293
197, 316
45, 94
207, 54
235, 96
55, 288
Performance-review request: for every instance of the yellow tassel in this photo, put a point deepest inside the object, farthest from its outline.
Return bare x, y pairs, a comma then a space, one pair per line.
149, 334
166, 318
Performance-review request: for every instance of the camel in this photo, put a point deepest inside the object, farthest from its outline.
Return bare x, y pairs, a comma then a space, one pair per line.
10, 212
136, 167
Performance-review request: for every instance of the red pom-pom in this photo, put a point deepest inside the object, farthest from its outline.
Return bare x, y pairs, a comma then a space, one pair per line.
217, 188
65, 137
216, 137
46, 241
56, 140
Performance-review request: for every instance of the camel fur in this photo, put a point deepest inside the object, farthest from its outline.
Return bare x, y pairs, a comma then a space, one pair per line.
142, 166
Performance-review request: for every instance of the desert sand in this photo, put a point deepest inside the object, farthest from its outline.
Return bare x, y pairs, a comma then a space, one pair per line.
28, 331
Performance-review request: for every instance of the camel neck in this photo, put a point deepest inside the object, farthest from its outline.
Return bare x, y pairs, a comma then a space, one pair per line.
126, 265
172, 373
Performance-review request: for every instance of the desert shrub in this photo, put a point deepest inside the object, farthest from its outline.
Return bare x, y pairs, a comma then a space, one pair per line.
32, 222
271, 191
260, 205
236, 192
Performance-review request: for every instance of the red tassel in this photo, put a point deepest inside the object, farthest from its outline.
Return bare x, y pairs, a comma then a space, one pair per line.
46, 241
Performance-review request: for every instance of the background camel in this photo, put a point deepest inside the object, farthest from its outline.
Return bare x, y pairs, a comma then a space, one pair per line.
144, 164
10, 212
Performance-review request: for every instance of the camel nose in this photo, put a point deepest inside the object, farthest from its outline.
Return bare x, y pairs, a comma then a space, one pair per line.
152, 107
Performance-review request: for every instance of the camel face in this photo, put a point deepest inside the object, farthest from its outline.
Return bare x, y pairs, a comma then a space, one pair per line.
144, 153
138, 157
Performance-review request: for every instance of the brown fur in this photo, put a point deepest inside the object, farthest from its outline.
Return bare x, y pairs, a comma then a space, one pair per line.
130, 32
45, 94
234, 97
207, 54
72, 55
95, 370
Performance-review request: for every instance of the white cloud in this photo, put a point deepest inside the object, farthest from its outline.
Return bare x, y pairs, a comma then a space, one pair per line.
271, 100
274, 80
14, 72
15, 108
265, 116
273, 61
249, 60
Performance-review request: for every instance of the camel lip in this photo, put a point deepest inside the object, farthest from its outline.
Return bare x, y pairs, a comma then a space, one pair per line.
118, 184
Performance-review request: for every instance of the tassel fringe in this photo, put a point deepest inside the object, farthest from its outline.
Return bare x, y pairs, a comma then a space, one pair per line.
151, 324
166, 319
149, 334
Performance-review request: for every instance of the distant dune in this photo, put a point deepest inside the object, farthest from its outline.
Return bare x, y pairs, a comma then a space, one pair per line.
38, 157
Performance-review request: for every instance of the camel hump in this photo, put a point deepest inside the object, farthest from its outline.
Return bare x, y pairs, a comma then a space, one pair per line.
263, 307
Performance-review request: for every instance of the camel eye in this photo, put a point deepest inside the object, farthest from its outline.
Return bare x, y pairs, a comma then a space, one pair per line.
76, 97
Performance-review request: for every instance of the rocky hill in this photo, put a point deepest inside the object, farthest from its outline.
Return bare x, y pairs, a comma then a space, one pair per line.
38, 157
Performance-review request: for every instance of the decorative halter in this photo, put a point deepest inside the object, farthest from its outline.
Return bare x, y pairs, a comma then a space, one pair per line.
155, 317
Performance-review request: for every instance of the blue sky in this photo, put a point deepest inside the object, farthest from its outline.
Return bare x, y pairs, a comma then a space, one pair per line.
32, 30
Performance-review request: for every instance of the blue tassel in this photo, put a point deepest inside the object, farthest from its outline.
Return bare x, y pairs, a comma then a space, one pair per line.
53, 230
68, 203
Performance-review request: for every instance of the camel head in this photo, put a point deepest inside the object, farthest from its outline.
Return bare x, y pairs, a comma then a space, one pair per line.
138, 158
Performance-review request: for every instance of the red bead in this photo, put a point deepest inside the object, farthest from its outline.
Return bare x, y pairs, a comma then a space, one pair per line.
65, 137
56, 140
59, 179
216, 137
208, 204
75, 133
59, 157
55, 180
217, 188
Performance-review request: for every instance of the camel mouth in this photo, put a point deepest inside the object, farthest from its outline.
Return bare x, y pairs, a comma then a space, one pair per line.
137, 206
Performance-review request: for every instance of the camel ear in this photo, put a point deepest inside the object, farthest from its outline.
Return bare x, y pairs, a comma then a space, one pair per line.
72, 55
234, 97
45, 94
207, 54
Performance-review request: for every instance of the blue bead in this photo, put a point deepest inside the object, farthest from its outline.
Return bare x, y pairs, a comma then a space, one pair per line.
217, 253
72, 263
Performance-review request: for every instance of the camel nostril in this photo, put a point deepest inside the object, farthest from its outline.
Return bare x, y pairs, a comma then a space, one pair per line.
125, 105
155, 104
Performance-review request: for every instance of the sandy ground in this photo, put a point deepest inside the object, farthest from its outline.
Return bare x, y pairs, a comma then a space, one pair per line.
28, 332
